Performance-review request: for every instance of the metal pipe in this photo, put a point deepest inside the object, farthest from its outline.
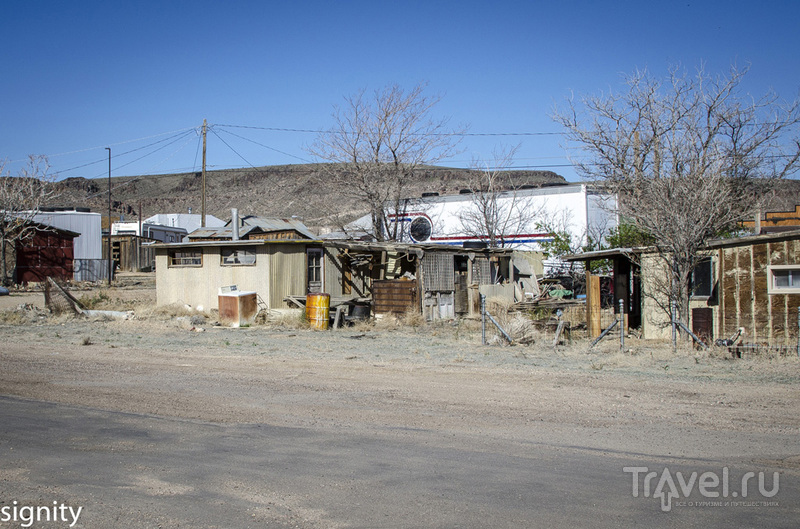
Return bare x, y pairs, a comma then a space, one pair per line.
235, 223
674, 327
483, 319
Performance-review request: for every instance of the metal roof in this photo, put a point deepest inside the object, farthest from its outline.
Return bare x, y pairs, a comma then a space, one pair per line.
711, 245
605, 254
269, 224
222, 233
419, 249
755, 239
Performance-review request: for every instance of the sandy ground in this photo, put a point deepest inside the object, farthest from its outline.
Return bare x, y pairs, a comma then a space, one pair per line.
648, 400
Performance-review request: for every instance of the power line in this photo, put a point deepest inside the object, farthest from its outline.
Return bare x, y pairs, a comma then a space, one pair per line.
141, 177
231, 148
112, 144
127, 152
265, 146
321, 131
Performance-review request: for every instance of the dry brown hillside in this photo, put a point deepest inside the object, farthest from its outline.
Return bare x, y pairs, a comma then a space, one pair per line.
285, 191
274, 191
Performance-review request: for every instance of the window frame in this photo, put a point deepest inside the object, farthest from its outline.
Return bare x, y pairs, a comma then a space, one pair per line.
234, 252
312, 254
794, 271
709, 261
172, 256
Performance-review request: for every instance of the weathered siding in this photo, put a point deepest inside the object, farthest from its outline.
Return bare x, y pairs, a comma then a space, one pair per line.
287, 273
745, 302
337, 266
46, 254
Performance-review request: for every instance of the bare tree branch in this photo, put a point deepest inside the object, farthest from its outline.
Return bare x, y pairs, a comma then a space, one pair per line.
21, 199
375, 146
689, 157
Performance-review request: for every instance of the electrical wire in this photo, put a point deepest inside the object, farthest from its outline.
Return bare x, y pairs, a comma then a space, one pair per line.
232, 149
101, 160
111, 144
320, 131
265, 146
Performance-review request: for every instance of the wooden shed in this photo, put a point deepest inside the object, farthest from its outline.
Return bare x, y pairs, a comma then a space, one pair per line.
49, 252
750, 283
758, 287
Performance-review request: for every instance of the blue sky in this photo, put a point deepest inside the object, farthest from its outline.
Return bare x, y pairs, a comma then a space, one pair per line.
80, 76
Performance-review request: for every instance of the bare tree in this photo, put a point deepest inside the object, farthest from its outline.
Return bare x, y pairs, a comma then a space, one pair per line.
496, 209
689, 156
376, 145
21, 198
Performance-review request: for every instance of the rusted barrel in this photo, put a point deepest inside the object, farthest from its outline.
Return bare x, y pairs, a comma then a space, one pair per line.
318, 308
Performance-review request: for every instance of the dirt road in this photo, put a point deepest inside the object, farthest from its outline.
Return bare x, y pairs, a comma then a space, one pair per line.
395, 384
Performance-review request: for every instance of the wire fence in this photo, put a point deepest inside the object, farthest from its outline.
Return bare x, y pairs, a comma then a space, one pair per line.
772, 336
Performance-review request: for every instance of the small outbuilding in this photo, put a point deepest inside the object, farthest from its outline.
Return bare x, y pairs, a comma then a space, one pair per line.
750, 283
49, 252
440, 282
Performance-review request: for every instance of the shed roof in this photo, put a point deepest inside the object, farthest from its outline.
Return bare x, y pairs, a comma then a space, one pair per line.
608, 254
711, 245
270, 224
223, 232
350, 245
755, 239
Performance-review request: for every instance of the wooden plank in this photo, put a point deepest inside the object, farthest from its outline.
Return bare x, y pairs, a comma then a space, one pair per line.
593, 305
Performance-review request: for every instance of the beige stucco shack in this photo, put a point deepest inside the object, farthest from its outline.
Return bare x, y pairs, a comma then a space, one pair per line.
439, 281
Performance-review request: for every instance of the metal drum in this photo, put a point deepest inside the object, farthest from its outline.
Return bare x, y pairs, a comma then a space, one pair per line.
318, 309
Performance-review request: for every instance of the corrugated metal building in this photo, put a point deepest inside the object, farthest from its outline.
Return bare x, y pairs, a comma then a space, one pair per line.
88, 244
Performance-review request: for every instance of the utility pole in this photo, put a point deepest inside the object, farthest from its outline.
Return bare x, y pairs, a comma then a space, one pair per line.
110, 260
203, 220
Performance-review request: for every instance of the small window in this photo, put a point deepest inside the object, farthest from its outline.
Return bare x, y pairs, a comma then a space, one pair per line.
702, 279
186, 258
314, 266
784, 279
237, 257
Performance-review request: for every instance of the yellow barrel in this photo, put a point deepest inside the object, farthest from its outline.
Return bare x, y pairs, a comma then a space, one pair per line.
318, 309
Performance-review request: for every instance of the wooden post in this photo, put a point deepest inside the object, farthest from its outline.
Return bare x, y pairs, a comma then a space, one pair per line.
593, 305
139, 241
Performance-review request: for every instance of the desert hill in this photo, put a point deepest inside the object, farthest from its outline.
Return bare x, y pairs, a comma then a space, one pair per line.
272, 191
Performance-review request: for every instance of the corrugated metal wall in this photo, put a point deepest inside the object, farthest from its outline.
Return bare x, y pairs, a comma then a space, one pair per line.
89, 244
287, 273
91, 269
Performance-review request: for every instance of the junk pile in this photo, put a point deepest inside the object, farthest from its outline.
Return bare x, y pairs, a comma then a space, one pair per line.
59, 301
